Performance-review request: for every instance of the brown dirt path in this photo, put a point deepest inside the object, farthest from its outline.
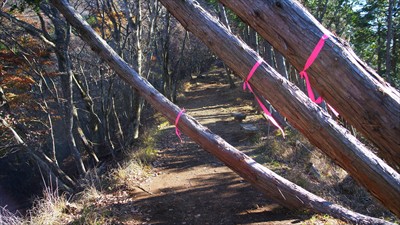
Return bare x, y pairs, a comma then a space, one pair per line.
191, 186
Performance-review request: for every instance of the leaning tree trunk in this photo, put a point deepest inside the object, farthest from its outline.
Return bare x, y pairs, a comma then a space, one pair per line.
281, 190
360, 95
381, 180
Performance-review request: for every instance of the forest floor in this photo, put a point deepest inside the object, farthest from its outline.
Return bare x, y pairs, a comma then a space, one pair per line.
188, 185
193, 187
184, 184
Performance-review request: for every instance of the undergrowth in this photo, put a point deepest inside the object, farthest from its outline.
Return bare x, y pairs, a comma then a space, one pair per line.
293, 158
6, 217
137, 164
85, 207
48, 210
300, 162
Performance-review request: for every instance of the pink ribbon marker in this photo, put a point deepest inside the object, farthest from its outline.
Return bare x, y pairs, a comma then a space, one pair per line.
304, 75
246, 85
309, 62
177, 131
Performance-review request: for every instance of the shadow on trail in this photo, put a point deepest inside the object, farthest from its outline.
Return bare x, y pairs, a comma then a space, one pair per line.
212, 195
222, 199
193, 187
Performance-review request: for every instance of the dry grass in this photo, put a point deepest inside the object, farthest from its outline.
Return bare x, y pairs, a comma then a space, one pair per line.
89, 207
94, 202
298, 161
49, 210
136, 166
8, 218
130, 174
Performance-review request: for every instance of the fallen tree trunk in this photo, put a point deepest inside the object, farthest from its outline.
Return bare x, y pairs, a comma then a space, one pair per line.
360, 95
382, 181
271, 184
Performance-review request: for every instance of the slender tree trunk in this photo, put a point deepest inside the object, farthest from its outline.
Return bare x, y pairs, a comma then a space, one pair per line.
51, 129
360, 95
367, 168
280, 65
137, 109
389, 37
252, 39
120, 132
322, 7
62, 33
177, 72
107, 118
137, 106
94, 120
225, 21
379, 49
165, 56
70, 120
88, 146
53, 168
65, 67
395, 58
268, 54
105, 141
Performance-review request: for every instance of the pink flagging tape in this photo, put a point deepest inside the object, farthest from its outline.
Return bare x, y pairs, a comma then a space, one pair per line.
269, 115
177, 131
246, 85
315, 52
310, 92
309, 62
304, 74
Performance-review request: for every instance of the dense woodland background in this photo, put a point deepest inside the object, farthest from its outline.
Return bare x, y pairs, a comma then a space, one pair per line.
63, 111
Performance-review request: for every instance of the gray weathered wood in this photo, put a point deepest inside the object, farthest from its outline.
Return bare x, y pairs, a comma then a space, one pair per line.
382, 181
274, 186
360, 95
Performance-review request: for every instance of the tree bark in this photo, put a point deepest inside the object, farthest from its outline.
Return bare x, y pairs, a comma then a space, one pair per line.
138, 100
359, 94
62, 33
178, 70
395, 48
378, 50
87, 145
167, 79
64, 66
94, 120
283, 191
389, 36
280, 65
223, 17
382, 181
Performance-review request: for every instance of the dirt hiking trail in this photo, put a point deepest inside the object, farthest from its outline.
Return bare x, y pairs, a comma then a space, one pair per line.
191, 186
